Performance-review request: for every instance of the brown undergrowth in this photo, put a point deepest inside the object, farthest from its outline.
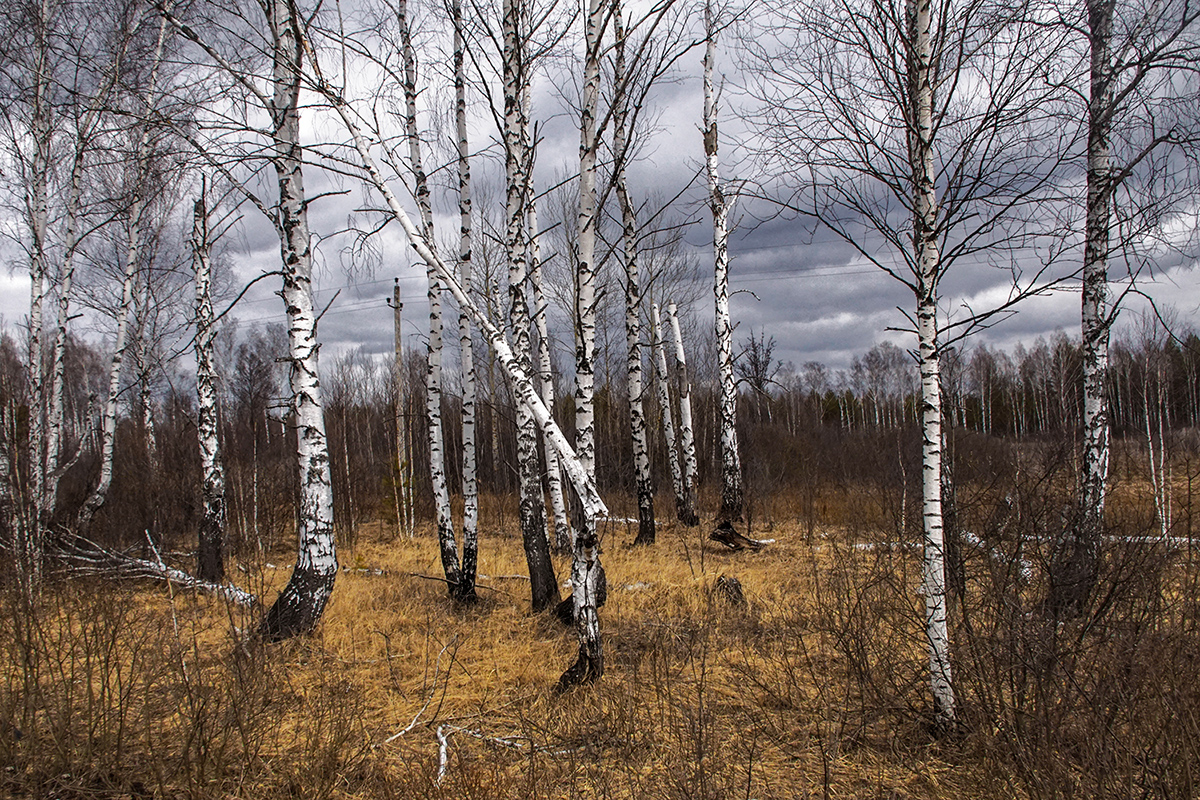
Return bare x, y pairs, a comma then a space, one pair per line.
815, 687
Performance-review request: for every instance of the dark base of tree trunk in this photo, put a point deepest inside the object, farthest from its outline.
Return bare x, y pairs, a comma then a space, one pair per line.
686, 514
646, 527
731, 510
588, 667
464, 592
1072, 582
298, 608
564, 612
210, 564
543, 585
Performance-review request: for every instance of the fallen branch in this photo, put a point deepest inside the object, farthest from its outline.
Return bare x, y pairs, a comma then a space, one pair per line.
81, 556
518, 743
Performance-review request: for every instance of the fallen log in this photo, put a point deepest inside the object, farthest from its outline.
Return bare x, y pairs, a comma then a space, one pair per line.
726, 534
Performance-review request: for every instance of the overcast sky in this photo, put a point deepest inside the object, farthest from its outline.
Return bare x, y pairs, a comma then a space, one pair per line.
815, 295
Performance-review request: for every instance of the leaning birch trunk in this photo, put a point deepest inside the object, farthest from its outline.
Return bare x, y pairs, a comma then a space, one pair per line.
1074, 581
210, 558
633, 300
731, 465
433, 375
522, 384
687, 440
662, 381
543, 584
299, 607
587, 575
558, 504
470, 531
933, 582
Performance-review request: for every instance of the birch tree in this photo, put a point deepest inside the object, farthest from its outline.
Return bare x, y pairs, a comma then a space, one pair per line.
562, 528
731, 464
210, 559
299, 607
514, 76
927, 135
1141, 121
57, 85
662, 382
138, 184
643, 487
466, 345
686, 509
586, 571
461, 586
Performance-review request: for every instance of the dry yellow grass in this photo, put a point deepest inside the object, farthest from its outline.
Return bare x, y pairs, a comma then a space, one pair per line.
699, 699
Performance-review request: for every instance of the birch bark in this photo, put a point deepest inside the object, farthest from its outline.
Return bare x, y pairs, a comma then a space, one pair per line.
1084, 542
562, 527
925, 210
433, 375
662, 381
731, 466
470, 545
210, 558
687, 440
48, 499
30, 536
544, 586
643, 486
587, 574
299, 607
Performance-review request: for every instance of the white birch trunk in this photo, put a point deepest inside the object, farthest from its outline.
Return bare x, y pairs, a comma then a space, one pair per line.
1084, 542
933, 583
210, 557
587, 574
544, 586
562, 527
561, 538
48, 499
470, 552
108, 421
687, 439
141, 170
433, 376
662, 381
731, 466
299, 607
31, 534
643, 486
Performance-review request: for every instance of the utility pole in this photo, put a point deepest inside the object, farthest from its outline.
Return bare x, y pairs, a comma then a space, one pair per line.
405, 519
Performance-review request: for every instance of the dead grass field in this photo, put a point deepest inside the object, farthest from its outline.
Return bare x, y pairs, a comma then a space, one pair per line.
816, 688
